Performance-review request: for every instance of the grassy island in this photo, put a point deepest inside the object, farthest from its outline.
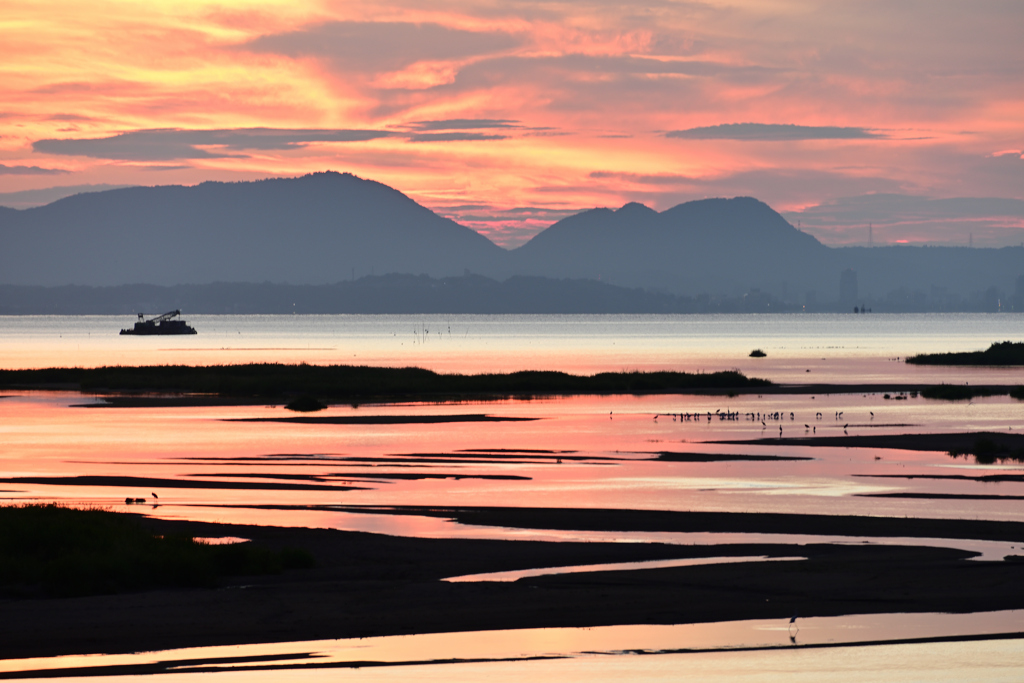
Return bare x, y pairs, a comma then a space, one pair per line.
346, 383
365, 585
51, 550
999, 353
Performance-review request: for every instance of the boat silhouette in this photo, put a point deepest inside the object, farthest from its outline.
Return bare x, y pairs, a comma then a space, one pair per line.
161, 324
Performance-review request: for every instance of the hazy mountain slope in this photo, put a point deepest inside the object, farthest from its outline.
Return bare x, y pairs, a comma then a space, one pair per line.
372, 294
715, 245
319, 228
327, 227
934, 271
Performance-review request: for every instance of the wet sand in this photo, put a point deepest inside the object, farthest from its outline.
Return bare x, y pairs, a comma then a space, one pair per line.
382, 419
596, 519
147, 483
157, 399
960, 441
369, 585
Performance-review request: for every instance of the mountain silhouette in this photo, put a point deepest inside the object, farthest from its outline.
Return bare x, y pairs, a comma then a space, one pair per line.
718, 245
326, 228
320, 228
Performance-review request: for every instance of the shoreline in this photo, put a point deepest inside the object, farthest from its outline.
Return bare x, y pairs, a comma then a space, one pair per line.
305, 661
272, 384
941, 442
169, 398
368, 584
373, 585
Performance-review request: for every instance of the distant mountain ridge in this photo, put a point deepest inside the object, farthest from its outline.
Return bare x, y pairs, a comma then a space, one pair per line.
720, 245
320, 228
326, 228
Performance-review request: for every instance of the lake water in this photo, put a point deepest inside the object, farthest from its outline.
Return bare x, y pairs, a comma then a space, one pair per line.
571, 452
834, 347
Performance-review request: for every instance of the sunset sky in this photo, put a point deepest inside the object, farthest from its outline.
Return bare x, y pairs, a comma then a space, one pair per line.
507, 115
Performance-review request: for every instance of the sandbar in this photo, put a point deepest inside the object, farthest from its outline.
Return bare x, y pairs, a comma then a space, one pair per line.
370, 584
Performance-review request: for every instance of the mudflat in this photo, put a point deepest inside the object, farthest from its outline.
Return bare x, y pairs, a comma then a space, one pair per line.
370, 585
953, 441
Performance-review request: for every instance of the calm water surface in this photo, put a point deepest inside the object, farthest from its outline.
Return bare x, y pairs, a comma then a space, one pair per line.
573, 452
834, 347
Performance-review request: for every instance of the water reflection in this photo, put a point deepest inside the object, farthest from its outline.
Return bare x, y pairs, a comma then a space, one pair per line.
641, 650
833, 347
615, 566
202, 464
585, 452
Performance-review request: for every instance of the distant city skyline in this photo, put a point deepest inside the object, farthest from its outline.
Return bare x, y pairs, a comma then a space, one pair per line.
863, 122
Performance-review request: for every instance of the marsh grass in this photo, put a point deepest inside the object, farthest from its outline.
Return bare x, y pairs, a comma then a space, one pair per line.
999, 353
347, 383
955, 392
985, 451
54, 550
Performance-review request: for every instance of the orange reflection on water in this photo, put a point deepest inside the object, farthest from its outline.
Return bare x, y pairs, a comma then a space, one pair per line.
614, 650
588, 452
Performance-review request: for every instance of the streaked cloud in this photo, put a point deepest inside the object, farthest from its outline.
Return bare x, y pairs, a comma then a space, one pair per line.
375, 46
454, 136
780, 187
985, 221
773, 132
881, 209
527, 103
29, 170
508, 227
462, 124
167, 145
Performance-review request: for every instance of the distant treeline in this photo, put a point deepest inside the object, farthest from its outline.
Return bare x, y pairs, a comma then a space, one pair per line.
421, 294
347, 383
393, 294
999, 353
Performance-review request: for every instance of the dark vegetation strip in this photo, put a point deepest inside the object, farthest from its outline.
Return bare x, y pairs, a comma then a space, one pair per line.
509, 450
382, 419
939, 496
999, 353
153, 482
985, 478
955, 442
961, 392
351, 382
59, 551
988, 451
486, 457
568, 519
722, 457
349, 476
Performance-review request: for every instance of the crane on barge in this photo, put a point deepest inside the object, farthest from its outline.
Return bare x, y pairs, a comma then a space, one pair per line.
161, 324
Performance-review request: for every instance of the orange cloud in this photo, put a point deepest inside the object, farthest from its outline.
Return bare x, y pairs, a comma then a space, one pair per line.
796, 104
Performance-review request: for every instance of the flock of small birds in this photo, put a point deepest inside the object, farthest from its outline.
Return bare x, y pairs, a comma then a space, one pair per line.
763, 418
